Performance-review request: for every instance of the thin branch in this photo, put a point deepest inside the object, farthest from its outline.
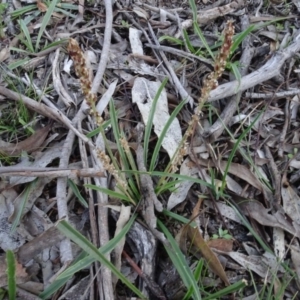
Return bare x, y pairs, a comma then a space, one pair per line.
50, 172
266, 72
106, 46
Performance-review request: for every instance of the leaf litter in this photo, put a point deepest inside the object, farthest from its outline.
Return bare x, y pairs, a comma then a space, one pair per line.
241, 158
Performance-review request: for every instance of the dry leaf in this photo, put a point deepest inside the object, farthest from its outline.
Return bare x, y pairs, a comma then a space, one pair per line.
29, 145
196, 238
143, 93
21, 274
221, 244
122, 221
291, 203
256, 211
4, 54
42, 7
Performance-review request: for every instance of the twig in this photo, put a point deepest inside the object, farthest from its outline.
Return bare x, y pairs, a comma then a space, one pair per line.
183, 93
62, 205
64, 96
267, 71
207, 16
44, 110
50, 172
106, 46
284, 94
107, 284
180, 53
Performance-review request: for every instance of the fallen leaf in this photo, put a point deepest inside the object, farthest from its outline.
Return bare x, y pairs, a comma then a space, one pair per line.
291, 203
196, 238
4, 54
122, 221
42, 7
187, 168
21, 274
29, 145
221, 244
143, 93
256, 211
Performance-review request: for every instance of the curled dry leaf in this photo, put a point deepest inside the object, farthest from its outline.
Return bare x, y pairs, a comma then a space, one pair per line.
29, 145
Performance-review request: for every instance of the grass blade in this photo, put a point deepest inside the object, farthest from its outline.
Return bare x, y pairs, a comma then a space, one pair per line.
24, 196
197, 29
180, 263
235, 147
88, 247
76, 191
108, 192
11, 275
25, 30
163, 133
45, 22
150, 119
86, 260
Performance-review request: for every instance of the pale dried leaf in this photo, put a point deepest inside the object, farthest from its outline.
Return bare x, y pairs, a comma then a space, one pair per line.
4, 54
135, 41
143, 92
181, 189
291, 203
256, 211
253, 263
102, 104
225, 210
279, 243
8, 240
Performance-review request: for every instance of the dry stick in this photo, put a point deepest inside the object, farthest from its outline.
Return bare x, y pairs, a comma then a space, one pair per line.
267, 71
218, 127
181, 53
94, 229
50, 172
106, 46
183, 93
62, 205
64, 96
107, 284
284, 94
44, 110
32, 84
